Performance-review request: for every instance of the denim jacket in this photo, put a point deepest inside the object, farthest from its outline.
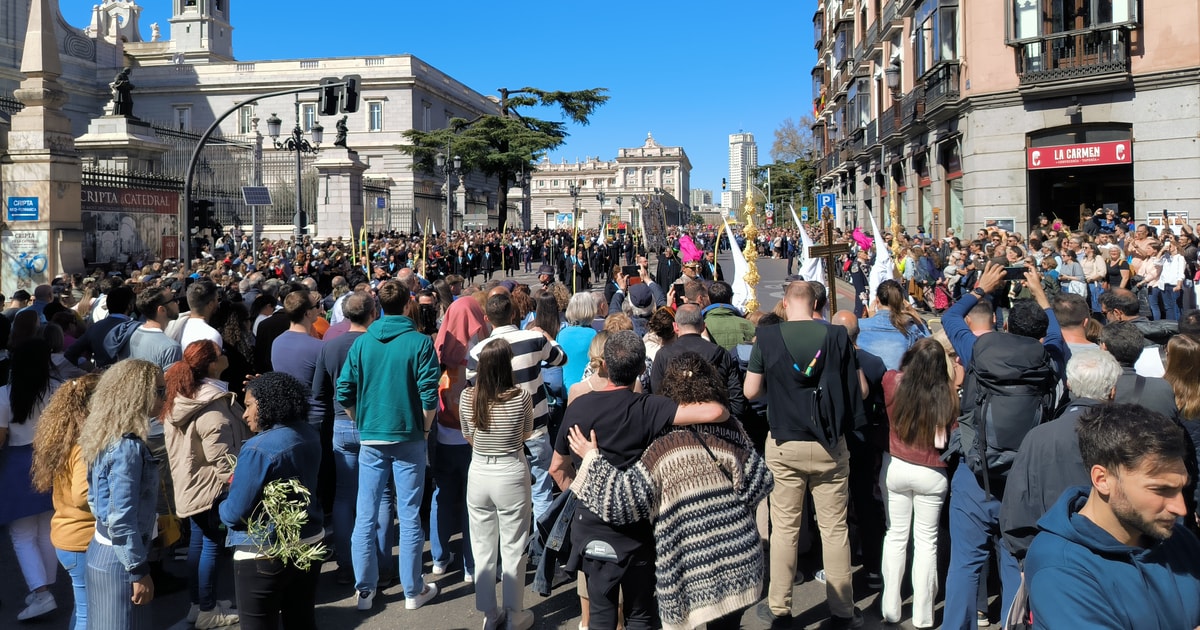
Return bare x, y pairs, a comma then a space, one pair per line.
878, 336
123, 495
281, 452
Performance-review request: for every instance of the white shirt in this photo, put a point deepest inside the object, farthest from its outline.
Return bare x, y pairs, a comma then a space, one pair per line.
196, 329
22, 434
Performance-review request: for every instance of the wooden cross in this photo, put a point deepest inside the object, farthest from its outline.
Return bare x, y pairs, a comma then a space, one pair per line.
829, 251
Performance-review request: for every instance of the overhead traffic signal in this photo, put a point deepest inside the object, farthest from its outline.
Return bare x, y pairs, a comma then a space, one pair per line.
348, 103
330, 95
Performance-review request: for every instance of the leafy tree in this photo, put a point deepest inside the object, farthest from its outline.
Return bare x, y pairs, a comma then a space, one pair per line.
789, 181
505, 144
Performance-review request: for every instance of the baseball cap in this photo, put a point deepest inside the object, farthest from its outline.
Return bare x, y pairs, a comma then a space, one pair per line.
640, 296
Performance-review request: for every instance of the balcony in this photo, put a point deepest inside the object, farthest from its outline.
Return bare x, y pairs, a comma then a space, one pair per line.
890, 21
913, 107
871, 134
1092, 55
889, 122
941, 86
857, 142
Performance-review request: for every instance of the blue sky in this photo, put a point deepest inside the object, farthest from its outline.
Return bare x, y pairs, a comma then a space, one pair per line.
689, 72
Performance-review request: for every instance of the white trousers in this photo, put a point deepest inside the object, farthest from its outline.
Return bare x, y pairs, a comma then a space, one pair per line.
498, 509
31, 544
914, 496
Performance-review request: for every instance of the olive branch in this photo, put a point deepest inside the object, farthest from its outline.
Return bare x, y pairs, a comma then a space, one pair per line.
284, 508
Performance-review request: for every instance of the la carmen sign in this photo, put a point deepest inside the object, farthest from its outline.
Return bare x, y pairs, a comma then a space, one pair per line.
1087, 154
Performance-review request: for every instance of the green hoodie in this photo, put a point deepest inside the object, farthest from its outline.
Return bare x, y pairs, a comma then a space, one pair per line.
390, 377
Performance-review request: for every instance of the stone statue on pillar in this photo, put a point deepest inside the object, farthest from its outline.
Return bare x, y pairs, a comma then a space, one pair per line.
122, 94
340, 140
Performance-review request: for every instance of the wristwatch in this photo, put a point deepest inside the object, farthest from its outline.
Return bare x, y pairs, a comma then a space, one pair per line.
979, 292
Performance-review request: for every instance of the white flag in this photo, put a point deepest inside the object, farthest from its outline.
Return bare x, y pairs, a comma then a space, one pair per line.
741, 290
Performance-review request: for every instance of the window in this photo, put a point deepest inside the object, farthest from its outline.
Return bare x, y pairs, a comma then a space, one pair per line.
375, 116
667, 170
183, 117
1029, 19
427, 117
245, 119
554, 183
308, 114
935, 36
541, 183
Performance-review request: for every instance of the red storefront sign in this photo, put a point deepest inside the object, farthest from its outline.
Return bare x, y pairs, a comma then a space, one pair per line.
1086, 154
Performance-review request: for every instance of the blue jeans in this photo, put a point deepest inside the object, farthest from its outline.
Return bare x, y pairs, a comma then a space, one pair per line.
345, 463
75, 562
204, 551
540, 452
1163, 304
448, 513
974, 524
404, 462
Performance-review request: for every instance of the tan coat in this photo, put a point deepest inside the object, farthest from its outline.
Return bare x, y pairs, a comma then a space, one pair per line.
200, 432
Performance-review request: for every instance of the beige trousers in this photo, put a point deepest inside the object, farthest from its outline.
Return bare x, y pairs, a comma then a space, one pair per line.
799, 467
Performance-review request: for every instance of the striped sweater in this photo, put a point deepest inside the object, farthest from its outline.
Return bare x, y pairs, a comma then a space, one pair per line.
531, 351
710, 558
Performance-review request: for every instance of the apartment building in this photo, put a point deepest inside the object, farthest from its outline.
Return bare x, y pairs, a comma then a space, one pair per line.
996, 112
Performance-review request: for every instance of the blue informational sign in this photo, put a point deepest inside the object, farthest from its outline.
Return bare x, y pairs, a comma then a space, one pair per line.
380, 202
804, 213
826, 205
22, 208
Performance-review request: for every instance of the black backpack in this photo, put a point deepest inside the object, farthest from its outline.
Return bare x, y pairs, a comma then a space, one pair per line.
1009, 389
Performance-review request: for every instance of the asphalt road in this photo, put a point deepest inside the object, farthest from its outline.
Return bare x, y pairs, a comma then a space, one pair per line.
454, 607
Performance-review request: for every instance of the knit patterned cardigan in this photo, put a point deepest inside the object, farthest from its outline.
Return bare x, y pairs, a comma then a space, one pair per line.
710, 558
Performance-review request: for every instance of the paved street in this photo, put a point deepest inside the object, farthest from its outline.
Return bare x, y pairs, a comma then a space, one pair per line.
454, 607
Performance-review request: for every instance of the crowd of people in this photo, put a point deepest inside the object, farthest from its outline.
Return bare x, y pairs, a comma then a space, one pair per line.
630, 426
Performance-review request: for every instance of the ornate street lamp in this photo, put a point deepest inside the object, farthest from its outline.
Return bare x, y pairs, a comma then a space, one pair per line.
298, 144
450, 169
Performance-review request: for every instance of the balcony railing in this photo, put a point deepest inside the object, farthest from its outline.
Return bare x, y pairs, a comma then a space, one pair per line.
1074, 56
941, 86
857, 142
913, 107
871, 134
889, 121
889, 16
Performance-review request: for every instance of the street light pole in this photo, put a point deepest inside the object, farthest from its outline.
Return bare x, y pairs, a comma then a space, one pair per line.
574, 190
603, 215
449, 168
298, 144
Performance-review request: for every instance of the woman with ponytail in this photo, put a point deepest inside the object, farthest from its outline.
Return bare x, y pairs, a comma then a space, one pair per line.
894, 327
203, 427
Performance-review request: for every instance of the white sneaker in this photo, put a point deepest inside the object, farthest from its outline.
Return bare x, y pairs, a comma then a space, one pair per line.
413, 603
40, 604
440, 568
519, 620
493, 621
215, 618
819, 576
366, 599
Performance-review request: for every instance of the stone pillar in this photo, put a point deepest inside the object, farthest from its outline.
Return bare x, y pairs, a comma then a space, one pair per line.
122, 143
42, 235
340, 193
460, 205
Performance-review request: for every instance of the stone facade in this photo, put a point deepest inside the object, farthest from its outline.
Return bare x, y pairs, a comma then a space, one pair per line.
636, 173
190, 79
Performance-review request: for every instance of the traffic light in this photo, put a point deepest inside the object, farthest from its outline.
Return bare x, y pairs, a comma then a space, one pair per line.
348, 104
202, 215
331, 92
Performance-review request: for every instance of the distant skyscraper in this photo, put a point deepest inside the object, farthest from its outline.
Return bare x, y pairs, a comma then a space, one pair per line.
701, 197
743, 159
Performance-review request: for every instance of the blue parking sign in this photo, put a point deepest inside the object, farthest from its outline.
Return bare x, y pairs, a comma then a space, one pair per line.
804, 213
827, 205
